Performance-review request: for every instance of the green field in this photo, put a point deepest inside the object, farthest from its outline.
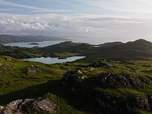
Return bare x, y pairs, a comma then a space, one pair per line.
21, 79
107, 81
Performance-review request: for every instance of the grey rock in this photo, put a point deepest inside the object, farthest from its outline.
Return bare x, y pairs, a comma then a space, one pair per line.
68, 78
108, 80
12, 108
19, 106
44, 105
138, 103
1, 107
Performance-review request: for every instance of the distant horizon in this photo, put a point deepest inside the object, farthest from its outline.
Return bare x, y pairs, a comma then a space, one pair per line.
91, 41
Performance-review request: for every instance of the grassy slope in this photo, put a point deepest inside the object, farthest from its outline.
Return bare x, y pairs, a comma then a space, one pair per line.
139, 49
140, 72
66, 49
21, 79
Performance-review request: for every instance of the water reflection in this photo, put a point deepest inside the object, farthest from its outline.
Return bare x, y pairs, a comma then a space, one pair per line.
28, 44
52, 60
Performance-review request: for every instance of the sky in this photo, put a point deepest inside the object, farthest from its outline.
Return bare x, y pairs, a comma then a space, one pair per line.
92, 21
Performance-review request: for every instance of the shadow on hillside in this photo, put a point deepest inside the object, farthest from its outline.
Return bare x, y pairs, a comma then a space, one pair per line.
52, 86
29, 92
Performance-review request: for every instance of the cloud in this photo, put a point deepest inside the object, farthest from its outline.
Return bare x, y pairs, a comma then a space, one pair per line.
89, 27
93, 28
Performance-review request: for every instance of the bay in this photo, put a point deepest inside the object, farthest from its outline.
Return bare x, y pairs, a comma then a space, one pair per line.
29, 45
53, 60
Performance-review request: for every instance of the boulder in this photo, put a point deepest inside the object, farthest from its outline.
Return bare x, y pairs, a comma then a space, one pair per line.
12, 108
44, 105
69, 78
109, 80
137, 102
20, 106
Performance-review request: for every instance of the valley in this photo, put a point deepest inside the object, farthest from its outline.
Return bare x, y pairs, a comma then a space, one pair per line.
112, 78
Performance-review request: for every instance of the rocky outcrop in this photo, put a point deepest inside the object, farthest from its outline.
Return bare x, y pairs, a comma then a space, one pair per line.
120, 104
70, 77
105, 80
102, 64
109, 80
33, 70
12, 107
108, 97
20, 106
44, 105
137, 102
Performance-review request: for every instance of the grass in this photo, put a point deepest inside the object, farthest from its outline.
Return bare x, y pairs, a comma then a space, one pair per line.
20, 79
31, 80
65, 55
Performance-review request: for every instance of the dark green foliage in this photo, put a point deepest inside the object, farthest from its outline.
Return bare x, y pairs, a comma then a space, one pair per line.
110, 44
139, 49
67, 47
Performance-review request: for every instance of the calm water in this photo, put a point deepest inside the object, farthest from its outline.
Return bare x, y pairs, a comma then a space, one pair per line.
28, 45
52, 60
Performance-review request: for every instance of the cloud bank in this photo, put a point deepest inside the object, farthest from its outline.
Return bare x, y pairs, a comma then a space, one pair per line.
88, 27
82, 20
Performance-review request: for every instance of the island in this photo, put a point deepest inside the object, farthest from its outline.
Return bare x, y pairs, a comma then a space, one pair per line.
33, 43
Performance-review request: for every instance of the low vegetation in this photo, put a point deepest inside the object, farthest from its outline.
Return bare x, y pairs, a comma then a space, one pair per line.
95, 85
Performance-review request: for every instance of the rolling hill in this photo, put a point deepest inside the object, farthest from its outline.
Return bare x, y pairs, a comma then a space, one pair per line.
95, 85
26, 38
139, 49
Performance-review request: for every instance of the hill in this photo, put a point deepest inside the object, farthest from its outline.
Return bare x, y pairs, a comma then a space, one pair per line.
29, 80
18, 52
90, 86
80, 87
139, 49
110, 44
66, 49
13, 38
68, 46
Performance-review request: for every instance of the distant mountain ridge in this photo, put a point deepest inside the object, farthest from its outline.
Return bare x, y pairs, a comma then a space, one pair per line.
139, 49
110, 44
26, 38
68, 46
